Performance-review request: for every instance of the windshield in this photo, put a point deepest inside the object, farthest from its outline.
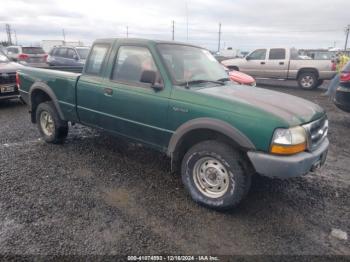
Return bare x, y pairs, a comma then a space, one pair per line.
3, 58
187, 63
32, 50
83, 52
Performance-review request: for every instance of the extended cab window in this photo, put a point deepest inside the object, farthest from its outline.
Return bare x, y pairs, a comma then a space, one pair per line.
132, 62
259, 54
277, 54
95, 61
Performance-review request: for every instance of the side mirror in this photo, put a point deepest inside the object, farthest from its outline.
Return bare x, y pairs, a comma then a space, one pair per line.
247, 58
75, 57
149, 77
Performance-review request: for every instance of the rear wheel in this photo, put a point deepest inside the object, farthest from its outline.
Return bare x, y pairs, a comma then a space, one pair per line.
215, 175
51, 127
307, 80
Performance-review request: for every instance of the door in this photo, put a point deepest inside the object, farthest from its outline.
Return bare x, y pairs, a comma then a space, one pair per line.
90, 93
255, 63
277, 65
71, 58
59, 56
134, 107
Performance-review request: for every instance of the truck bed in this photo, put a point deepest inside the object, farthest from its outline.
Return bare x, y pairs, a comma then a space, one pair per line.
62, 83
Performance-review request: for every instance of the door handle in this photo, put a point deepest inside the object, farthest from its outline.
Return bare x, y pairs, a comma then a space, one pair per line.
262, 63
281, 63
108, 91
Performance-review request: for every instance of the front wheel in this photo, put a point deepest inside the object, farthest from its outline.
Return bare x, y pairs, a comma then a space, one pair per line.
51, 127
216, 175
307, 80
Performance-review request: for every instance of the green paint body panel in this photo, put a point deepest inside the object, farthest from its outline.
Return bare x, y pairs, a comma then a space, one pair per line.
152, 117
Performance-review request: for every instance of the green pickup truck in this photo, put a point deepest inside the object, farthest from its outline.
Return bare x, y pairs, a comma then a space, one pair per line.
176, 98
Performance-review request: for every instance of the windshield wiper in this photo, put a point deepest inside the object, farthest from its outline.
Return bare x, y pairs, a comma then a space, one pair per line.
200, 81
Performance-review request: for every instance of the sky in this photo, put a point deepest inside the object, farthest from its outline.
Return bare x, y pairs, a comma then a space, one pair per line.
246, 24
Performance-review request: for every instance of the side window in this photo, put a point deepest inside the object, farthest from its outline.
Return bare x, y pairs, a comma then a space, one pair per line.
61, 52
70, 53
96, 58
259, 54
277, 54
132, 62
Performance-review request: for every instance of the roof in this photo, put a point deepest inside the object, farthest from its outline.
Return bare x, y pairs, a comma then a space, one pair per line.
70, 46
142, 41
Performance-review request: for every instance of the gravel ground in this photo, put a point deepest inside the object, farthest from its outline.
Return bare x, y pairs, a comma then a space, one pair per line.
99, 195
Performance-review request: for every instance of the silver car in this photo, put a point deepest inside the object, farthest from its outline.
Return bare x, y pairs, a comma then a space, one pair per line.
27, 55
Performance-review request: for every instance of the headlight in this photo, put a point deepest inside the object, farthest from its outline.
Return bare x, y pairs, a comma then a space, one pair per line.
289, 141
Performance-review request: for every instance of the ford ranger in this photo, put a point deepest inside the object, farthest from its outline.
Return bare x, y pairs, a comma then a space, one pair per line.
176, 98
283, 63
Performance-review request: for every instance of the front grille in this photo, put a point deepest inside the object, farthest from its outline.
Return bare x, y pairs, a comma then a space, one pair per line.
317, 132
7, 78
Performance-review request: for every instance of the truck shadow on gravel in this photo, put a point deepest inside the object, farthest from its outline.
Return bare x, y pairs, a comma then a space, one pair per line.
305, 192
307, 204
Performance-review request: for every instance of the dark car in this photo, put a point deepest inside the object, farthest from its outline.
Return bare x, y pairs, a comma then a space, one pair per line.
342, 95
68, 56
8, 88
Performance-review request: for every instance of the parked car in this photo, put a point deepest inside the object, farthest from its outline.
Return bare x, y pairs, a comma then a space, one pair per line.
27, 55
342, 94
8, 88
283, 63
176, 98
68, 56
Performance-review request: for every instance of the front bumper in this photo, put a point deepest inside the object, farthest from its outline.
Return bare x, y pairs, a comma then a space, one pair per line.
289, 166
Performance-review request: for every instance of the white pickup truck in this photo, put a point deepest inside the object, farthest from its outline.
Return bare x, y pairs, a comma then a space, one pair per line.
283, 63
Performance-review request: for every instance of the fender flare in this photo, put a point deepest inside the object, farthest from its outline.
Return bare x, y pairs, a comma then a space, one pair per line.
45, 88
211, 124
308, 69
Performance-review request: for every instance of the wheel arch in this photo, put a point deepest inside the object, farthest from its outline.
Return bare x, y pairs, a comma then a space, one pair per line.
40, 92
196, 130
308, 69
233, 67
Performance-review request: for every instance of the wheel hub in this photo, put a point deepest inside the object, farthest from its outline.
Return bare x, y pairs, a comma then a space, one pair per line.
47, 124
211, 177
307, 81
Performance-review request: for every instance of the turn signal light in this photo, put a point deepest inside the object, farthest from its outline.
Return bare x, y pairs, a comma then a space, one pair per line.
287, 149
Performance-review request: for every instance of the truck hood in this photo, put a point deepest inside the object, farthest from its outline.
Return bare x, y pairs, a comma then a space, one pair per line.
292, 109
234, 61
9, 67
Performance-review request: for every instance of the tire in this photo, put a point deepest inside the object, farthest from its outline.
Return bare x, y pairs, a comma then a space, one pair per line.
307, 80
56, 129
215, 160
